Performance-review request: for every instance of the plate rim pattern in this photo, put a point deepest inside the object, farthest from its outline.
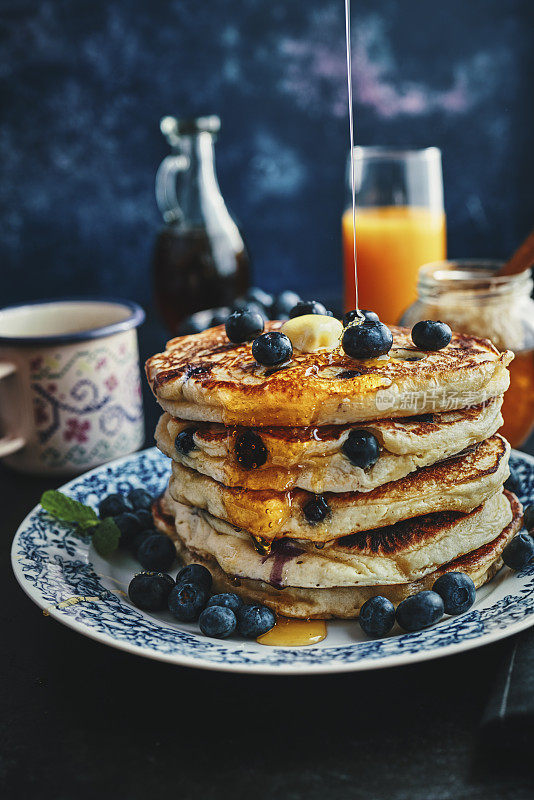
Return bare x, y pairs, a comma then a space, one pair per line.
53, 567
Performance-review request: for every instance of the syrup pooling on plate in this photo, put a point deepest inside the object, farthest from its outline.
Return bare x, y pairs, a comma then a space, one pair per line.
294, 633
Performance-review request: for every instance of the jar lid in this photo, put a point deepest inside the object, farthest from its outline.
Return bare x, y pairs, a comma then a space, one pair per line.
470, 275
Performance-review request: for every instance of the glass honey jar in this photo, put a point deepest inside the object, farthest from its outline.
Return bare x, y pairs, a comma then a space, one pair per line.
473, 299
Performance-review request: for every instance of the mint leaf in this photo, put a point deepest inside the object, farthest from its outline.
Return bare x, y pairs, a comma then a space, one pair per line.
106, 537
68, 510
105, 532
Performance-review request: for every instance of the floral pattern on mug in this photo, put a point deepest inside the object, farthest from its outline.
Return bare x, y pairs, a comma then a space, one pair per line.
76, 430
89, 397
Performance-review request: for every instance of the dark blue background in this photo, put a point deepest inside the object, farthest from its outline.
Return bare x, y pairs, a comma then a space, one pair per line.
84, 84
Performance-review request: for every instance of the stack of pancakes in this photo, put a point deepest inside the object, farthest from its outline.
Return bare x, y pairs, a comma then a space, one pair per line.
262, 492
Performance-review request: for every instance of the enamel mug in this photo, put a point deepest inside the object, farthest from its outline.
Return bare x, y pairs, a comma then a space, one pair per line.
70, 390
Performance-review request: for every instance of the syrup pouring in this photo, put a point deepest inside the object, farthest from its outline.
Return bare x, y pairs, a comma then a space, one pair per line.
292, 632
360, 317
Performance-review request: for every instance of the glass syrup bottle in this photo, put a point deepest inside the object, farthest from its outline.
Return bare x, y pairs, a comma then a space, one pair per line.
200, 260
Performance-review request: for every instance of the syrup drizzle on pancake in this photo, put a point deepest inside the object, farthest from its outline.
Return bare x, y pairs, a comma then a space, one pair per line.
282, 551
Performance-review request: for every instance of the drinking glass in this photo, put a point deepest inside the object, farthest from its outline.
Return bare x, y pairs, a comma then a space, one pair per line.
400, 225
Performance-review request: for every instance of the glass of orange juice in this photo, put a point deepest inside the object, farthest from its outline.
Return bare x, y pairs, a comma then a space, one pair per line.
400, 225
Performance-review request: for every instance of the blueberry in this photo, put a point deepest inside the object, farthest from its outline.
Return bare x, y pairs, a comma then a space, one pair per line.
419, 611
240, 304
184, 441
187, 600
457, 591
259, 310
271, 349
140, 499
253, 620
243, 326
528, 517
150, 590
361, 448
144, 519
283, 304
307, 307
519, 553
350, 316
369, 339
316, 509
257, 295
219, 316
195, 573
250, 451
156, 553
137, 540
248, 305
191, 325
431, 335
129, 525
113, 505
377, 616
217, 622
226, 600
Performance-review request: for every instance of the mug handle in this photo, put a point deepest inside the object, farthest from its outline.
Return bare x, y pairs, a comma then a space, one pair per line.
10, 443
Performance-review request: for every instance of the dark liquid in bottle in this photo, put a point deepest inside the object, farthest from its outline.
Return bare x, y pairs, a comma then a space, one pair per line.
194, 271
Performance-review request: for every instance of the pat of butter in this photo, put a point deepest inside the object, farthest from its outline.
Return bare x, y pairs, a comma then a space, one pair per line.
312, 332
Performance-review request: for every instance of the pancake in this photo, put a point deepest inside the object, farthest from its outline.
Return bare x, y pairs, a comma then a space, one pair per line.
399, 553
312, 458
459, 484
480, 564
205, 377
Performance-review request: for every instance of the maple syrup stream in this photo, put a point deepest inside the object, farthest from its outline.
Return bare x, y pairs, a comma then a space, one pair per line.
293, 632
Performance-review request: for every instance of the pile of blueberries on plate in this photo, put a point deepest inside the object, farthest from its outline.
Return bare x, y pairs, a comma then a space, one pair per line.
188, 598
453, 593
133, 517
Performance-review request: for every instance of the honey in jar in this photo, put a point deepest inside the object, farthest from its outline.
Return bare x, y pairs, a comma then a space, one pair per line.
473, 299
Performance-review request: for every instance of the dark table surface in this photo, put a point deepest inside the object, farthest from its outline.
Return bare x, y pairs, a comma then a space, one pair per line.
82, 720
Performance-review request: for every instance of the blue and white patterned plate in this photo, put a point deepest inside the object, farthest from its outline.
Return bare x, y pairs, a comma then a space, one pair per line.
66, 578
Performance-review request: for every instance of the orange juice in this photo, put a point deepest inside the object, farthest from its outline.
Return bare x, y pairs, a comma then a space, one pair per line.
392, 242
